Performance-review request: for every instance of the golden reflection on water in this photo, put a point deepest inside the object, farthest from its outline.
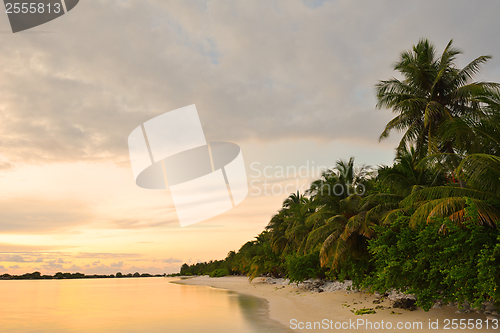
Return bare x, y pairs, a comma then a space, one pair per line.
127, 305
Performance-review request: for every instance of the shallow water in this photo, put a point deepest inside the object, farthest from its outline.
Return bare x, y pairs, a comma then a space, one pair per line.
128, 305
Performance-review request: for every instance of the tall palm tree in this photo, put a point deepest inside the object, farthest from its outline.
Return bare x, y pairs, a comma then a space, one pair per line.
432, 99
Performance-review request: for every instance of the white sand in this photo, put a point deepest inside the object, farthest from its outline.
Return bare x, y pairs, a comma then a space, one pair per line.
292, 306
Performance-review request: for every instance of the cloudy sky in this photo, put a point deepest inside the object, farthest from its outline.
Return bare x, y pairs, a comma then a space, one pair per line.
291, 82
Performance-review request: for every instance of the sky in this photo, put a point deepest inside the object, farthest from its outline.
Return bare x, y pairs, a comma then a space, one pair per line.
291, 82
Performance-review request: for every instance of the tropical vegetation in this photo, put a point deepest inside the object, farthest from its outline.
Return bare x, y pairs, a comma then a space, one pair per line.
426, 225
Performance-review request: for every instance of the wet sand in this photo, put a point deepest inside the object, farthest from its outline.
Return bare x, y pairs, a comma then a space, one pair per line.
305, 311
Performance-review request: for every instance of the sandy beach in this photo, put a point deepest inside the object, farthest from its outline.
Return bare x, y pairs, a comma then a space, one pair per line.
306, 311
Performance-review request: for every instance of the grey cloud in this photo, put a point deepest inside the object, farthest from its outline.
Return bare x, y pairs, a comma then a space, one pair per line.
52, 265
102, 269
15, 267
12, 258
6, 166
74, 268
117, 264
2, 268
308, 74
170, 260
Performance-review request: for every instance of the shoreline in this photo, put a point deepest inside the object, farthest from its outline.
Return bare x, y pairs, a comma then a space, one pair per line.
306, 311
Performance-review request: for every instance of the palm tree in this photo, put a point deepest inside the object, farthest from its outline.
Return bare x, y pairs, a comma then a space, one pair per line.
433, 99
408, 174
479, 169
341, 181
343, 233
288, 227
340, 220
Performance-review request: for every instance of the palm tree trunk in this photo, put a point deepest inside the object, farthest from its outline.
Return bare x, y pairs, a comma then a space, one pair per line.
449, 150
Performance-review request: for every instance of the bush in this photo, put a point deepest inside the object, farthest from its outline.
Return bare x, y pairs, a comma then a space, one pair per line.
300, 268
354, 268
219, 272
437, 261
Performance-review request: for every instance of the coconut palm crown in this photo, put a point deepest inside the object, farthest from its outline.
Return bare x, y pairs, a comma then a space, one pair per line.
434, 98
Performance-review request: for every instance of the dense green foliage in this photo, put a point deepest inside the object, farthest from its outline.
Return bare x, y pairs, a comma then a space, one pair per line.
300, 268
439, 260
427, 225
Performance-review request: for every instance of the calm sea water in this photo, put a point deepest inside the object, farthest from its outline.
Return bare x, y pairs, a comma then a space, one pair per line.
128, 305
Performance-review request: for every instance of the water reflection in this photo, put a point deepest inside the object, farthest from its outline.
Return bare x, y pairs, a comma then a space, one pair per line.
255, 311
128, 305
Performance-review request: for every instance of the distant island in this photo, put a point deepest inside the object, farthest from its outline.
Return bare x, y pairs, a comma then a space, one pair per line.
62, 276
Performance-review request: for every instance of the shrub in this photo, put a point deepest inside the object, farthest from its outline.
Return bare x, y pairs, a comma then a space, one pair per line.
219, 272
437, 261
300, 268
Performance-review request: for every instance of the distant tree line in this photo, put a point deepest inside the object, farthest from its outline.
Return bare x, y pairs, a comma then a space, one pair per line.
61, 276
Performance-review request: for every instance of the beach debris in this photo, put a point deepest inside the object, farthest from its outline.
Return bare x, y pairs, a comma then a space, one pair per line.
392, 312
278, 281
395, 295
315, 285
492, 317
466, 306
405, 304
490, 307
437, 305
402, 301
364, 311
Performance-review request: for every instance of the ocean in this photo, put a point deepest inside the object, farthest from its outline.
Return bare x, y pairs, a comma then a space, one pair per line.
128, 305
